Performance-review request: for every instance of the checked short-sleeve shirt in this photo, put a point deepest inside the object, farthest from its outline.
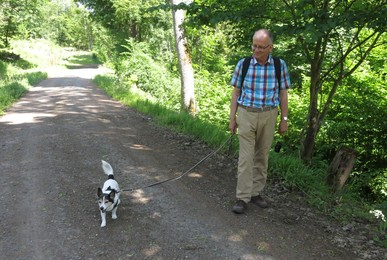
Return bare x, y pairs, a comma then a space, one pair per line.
260, 87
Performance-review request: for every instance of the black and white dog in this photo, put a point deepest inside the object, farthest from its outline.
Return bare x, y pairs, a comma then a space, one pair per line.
109, 195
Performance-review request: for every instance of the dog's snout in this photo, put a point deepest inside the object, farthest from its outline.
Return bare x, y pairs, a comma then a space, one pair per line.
101, 208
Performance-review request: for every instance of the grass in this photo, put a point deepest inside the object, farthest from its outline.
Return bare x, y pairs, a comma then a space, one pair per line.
19, 67
15, 83
83, 58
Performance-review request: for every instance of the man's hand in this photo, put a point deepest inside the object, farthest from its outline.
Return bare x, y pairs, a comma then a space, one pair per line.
233, 109
233, 126
283, 127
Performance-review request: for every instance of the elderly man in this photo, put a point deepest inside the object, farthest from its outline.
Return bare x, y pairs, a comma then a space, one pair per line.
254, 110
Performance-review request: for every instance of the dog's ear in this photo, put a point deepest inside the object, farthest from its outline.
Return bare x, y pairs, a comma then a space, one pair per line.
99, 192
112, 194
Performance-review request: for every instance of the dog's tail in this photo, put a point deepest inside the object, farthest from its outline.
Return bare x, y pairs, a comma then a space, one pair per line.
107, 168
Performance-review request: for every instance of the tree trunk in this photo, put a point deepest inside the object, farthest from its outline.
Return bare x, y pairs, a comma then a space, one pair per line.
340, 168
307, 148
185, 64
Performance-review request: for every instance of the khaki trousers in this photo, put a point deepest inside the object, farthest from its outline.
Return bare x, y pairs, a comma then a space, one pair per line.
256, 134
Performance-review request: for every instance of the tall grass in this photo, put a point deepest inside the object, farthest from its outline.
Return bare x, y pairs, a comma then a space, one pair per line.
15, 85
42, 53
20, 64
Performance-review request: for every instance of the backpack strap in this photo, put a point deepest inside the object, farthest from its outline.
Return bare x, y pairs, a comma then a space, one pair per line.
245, 67
277, 68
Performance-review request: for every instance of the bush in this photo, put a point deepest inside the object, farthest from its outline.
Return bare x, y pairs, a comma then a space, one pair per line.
9, 93
3, 70
138, 69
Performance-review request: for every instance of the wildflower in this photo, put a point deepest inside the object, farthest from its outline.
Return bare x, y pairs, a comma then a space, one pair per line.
378, 214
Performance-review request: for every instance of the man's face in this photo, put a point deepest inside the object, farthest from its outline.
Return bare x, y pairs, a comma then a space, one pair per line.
261, 47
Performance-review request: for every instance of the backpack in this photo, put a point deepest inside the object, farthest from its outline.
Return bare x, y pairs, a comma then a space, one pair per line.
277, 68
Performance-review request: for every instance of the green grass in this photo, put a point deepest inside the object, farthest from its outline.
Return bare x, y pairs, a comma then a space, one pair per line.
16, 76
9, 93
40, 53
83, 58
15, 86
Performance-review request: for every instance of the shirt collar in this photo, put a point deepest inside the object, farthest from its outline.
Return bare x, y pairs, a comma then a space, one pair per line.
269, 59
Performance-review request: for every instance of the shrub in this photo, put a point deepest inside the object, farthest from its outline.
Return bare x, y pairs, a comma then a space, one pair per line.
138, 69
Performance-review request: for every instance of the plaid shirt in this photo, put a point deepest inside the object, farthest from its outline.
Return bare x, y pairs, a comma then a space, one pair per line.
260, 87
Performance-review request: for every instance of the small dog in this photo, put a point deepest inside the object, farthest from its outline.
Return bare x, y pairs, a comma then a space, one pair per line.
109, 195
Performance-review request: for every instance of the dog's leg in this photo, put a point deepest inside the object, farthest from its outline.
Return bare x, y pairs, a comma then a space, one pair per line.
103, 216
114, 213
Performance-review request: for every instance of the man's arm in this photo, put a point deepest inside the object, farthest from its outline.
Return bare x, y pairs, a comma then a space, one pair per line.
233, 109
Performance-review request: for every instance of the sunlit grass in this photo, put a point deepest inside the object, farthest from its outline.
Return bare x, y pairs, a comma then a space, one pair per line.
16, 76
83, 58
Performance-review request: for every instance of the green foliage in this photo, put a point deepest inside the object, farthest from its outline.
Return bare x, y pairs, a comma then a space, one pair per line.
63, 22
40, 53
9, 93
15, 85
83, 60
35, 77
205, 45
15, 74
131, 18
330, 39
3, 70
311, 181
15, 60
213, 96
136, 68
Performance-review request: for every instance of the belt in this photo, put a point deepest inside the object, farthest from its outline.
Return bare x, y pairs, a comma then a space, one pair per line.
257, 109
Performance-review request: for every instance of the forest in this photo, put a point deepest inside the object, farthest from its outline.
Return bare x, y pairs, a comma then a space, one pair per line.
335, 51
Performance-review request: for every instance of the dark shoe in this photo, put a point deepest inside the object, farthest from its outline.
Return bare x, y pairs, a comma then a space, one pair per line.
259, 201
239, 207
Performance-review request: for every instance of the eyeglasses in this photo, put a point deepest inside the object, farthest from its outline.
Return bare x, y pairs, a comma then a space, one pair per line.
254, 47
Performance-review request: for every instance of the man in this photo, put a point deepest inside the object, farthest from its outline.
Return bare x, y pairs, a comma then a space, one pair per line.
256, 103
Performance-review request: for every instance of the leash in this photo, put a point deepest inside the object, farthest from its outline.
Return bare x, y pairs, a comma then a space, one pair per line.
229, 139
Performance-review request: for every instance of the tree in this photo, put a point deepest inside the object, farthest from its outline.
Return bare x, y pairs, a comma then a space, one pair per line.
185, 64
13, 15
334, 38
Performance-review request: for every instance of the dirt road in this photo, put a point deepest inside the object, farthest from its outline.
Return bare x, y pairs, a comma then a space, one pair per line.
52, 143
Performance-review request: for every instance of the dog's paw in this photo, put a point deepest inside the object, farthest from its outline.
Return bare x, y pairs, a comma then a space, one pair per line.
114, 216
103, 224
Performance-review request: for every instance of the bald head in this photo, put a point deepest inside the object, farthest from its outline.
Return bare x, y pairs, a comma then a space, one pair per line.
263, 34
